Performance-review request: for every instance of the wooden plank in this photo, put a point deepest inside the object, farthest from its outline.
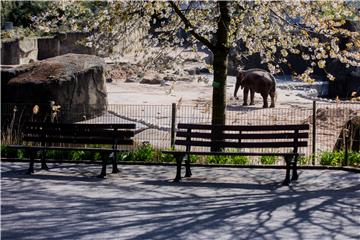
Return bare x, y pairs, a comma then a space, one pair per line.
80, 132
78, 140
245, 127
223, 144
82, 125
233, 153
208, 135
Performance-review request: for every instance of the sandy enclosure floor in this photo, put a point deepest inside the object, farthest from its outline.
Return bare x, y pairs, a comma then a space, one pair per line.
141, 202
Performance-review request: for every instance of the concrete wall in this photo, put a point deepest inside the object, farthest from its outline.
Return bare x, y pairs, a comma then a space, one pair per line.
10, 52
15, 51
48, 47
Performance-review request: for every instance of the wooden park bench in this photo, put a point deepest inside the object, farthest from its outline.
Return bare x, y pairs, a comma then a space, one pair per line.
39, 136
285, 138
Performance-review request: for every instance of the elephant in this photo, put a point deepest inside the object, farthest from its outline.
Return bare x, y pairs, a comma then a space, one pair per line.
256, 80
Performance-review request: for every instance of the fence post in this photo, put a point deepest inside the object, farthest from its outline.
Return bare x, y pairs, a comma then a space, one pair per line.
346, 137
173, 122
314, 133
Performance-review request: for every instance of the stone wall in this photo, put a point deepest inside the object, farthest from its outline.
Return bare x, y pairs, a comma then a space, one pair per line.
10, 52
15, 51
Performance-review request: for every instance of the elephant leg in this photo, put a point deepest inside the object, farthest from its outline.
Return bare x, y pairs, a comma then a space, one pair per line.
265, 96
272, 96
252, 95
246, 93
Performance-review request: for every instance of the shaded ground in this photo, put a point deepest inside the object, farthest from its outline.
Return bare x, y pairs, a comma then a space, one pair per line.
142, 203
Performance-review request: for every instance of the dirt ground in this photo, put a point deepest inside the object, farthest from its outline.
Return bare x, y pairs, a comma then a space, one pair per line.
151, 103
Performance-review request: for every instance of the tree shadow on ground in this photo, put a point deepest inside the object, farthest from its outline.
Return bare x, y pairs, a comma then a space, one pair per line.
134, 207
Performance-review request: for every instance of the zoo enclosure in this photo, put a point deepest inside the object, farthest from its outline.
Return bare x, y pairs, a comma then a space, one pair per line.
156, 123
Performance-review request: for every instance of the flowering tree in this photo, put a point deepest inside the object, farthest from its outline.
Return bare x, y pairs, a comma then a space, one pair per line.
312, 29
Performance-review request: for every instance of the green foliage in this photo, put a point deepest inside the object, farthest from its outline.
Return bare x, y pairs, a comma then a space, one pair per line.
305, 160
53, 154
76, 155
167, 158
268, 160
8, 152
21, 154
354, 158
241, 160
332, 158
21, 12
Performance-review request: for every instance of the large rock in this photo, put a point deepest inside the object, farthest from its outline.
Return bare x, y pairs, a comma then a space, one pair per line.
76, 82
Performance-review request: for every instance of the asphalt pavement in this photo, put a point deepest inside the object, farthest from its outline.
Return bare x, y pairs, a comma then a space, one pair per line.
141, 202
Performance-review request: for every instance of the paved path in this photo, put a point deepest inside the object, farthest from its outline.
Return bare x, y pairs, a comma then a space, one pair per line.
142, 203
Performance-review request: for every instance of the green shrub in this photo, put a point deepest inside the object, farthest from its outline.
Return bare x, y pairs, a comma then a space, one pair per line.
144, 153
54, 154
76, 155
305, 160
242, 160
97, 156
8, 152
21, 154
332, 158
268, 160
167, 158
354, 158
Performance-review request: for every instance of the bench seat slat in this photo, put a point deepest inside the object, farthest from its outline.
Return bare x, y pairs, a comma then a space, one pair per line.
244, 135
82, 132
242, 144
186, 126
66, 148
233, 153
78, 140
82, 125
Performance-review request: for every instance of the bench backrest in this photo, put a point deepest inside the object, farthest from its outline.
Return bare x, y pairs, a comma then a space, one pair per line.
237, 136
79, 133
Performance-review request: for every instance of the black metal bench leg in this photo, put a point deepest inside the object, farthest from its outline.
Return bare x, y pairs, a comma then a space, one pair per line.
286, 182
187, 167
43, 163
114, 164
295, 175
103, 167
179, 159
31, 164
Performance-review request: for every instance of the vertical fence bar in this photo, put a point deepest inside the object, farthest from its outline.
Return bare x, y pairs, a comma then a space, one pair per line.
173, 119
314, 134
346, 136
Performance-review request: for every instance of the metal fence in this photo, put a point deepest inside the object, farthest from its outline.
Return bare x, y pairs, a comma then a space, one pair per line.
155, 123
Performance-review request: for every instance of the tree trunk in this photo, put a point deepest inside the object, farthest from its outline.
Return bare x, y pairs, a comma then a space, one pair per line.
219, 88
220, 52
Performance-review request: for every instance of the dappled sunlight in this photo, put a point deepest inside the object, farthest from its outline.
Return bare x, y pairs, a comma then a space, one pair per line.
141, 202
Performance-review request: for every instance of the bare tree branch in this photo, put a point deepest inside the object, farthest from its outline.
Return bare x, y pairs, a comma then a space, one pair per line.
191, 28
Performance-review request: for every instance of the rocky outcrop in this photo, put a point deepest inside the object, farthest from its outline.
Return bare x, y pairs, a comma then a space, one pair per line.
350, 133
76, 82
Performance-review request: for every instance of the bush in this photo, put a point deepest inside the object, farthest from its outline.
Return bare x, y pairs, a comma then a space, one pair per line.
167, 158
268, 160
76, 155
354, 158
241, 160
54, 154
332, 158
305, 160
8, 152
